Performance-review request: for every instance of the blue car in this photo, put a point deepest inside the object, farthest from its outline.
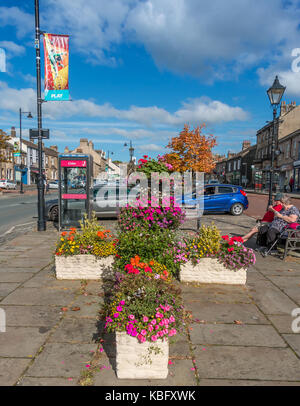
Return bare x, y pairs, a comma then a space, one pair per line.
222, 198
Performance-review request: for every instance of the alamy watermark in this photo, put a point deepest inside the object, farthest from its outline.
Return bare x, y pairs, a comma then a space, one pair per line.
296, 322
185, 190
2, 321
2, 60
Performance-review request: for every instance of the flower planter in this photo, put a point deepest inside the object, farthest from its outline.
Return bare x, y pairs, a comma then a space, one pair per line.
209, 270
83, 267
135, 360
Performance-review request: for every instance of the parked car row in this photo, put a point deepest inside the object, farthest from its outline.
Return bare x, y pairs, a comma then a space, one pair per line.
217, 198
7, 184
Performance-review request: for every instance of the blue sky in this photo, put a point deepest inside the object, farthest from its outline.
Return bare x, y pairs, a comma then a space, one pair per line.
141, 69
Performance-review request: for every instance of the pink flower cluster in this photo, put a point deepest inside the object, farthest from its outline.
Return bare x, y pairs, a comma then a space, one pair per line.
158, 327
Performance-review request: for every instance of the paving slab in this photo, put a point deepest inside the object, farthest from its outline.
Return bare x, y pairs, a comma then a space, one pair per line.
32, 316
61, 360
48, 381
47, 279
11, 369
76, 330
15, 276
227, 313
8, 269
40, 296
89, 307
29, 262
271, 300
7, 288
234, 334
236, 382
236, 362
283, 323
215, 293
180, 374
294, 342
21, 341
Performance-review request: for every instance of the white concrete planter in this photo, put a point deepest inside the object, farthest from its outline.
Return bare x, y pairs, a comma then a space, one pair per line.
136, 360
209, 270
83, 267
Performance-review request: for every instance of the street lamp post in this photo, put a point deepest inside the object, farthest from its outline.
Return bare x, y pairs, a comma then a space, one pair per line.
131, 150
21, 165
41, 225
108, 152
275, 93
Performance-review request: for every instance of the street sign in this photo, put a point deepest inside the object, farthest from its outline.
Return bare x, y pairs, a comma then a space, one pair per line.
34, 133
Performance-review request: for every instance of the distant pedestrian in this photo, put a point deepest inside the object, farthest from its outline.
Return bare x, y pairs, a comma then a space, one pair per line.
285, 185
47, 187
291, 183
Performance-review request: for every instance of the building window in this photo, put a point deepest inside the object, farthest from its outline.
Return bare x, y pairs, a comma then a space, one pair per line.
287, 150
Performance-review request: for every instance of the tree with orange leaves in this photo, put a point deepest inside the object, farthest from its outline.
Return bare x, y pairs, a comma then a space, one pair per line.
191, 150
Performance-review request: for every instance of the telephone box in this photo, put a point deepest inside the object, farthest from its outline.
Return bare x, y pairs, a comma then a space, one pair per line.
75, 174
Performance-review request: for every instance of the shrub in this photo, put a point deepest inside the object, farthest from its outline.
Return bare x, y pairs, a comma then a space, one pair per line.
148, 309
148, 245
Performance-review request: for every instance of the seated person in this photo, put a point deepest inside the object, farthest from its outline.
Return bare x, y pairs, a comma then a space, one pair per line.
287, 215
268, 217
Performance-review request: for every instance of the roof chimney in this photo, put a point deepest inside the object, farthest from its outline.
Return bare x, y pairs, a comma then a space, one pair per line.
246, 144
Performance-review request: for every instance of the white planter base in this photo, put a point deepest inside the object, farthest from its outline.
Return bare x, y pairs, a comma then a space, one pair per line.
83, 267
209, 270
133, 358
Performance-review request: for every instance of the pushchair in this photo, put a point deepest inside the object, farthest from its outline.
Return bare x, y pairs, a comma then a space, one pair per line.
282, 238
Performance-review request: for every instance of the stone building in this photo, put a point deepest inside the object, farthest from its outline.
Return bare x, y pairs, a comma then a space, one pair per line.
87, 147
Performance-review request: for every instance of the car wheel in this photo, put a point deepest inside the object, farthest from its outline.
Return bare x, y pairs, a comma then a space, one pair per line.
237, 209
53, 214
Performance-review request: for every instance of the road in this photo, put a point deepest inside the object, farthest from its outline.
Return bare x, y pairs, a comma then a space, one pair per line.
258, 204
18, 209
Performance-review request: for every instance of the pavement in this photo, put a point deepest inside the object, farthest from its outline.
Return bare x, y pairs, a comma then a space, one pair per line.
239, 335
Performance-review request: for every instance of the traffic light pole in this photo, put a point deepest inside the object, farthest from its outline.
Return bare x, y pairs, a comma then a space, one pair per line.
41, 225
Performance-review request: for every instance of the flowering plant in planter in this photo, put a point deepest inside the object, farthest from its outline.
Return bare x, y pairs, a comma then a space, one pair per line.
155, 218
205, 244
147, 245
90, 239
153, 269
148, 309
234, 255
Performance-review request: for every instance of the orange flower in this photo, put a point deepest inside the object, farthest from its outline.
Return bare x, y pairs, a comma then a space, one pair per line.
64, 233
100, 234
73, 229
135, 261
165, 273
151, 262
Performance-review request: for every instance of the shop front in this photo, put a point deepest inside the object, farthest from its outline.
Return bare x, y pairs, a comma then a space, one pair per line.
296, 175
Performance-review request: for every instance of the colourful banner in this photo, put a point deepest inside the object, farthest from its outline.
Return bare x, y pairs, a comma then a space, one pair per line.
56, 49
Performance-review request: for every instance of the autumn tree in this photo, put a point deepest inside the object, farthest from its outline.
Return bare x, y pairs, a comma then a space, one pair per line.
191, 150
3, 145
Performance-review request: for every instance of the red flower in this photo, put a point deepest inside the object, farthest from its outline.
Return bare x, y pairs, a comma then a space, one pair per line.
225, 237
230, 249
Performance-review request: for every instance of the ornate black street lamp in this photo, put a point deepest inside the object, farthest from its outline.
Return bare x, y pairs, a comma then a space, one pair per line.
275, 93
21, 164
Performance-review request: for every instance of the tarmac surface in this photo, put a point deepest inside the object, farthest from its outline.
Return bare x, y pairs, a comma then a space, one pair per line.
239, 335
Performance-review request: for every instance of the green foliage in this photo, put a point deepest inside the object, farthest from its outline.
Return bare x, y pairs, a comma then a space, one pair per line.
148, 245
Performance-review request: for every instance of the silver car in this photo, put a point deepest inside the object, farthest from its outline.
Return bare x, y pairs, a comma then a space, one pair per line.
106, 200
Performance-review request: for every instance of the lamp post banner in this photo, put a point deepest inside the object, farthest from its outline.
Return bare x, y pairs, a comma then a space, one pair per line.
56, 54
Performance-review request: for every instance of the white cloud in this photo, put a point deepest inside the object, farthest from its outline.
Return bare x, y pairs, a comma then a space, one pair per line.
193, 111
14, 16
216, 39
150, 148
12, 49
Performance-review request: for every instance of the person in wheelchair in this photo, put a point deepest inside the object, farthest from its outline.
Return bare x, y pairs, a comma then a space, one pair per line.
268, 217
285, 217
